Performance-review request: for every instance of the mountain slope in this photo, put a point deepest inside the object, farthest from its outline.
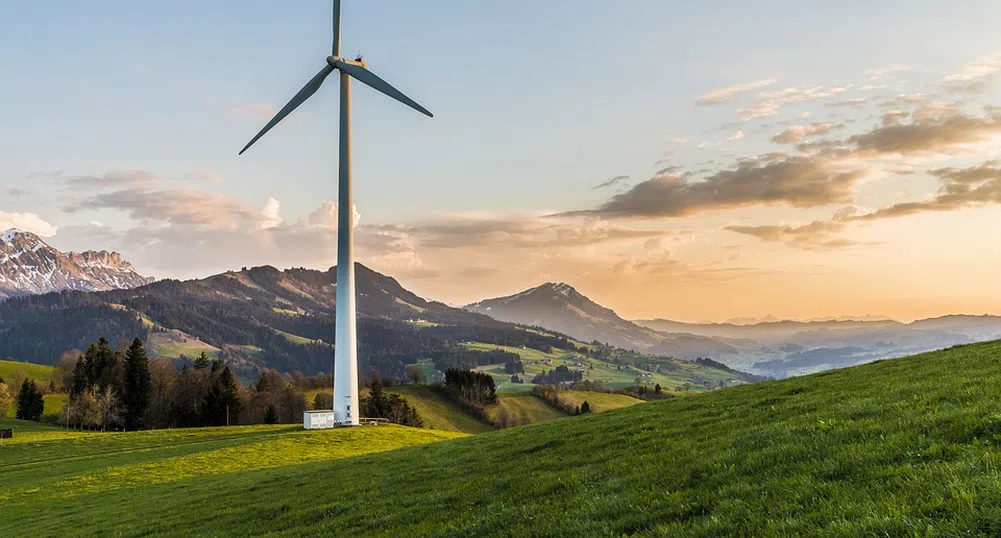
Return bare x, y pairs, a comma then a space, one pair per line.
265, 317
560, 307
28, 265
904, 447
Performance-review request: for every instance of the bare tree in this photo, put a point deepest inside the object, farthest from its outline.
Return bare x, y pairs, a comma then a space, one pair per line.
70, 413
63, 374
107, 409
416, 374
6, 398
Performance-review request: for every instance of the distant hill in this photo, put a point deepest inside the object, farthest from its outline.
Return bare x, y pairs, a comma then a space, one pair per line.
559, 307
903, 447
28, 265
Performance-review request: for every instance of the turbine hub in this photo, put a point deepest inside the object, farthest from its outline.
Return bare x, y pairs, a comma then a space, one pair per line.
332, 60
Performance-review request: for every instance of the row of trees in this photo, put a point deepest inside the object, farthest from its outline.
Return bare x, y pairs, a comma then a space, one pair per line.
122, 389
555, 395
470, 386
389, 406
560, 374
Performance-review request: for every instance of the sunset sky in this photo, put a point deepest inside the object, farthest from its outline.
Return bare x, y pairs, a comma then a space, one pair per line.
693, 162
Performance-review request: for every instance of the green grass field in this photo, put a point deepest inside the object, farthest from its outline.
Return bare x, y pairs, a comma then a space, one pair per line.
525, 405
600, 401
41, 374
609, 374
172, 344
296, 339
904, 447
38, 372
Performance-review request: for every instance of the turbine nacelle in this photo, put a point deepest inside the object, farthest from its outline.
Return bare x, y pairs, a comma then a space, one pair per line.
333, 61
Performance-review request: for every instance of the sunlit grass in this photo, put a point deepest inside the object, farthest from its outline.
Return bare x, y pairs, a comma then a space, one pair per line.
40, 373
600, 401
248, 448
906, 447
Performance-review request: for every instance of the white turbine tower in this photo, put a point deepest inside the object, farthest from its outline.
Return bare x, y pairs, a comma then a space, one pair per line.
345, 346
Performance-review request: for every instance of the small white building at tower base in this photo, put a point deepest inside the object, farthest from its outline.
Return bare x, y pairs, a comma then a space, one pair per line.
318, 420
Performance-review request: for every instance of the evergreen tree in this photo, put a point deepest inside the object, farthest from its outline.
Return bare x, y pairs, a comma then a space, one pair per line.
576, 410
585, 408
101, 364
271, 415
135, 384
657, 389
322, 400
30, 402
222, 405
79, 377
202, 361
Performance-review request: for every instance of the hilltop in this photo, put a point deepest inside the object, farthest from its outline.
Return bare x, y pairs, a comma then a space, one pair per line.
558, 306
895, 448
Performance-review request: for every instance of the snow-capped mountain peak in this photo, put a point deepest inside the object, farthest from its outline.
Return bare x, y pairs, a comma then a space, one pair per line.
29, 266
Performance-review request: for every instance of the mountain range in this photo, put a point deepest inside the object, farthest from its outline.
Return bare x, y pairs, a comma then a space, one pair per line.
28, 266
284, 319
264, 317
770, 347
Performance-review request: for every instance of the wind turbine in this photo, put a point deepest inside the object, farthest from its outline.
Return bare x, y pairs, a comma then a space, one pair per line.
345, 345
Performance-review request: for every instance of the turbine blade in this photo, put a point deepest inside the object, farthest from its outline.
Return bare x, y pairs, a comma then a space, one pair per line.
372, 80
336, 50
308, 90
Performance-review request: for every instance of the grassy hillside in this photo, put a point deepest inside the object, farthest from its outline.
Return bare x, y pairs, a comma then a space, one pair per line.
37, 372
525, 405
906, 447
599, 401
41, 374
439, 413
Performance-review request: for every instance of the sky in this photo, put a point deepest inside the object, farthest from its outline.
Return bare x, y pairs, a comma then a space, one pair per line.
691, 161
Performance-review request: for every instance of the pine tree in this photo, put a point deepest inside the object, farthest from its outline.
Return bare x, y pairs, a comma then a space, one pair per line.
222, 405
271, 415
136, 384
79, 377
202, 361
585, 408
30, 402
657, 389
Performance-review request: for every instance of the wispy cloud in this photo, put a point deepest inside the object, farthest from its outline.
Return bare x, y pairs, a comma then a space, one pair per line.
976, 75
799, 132
721, 96
611, 182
